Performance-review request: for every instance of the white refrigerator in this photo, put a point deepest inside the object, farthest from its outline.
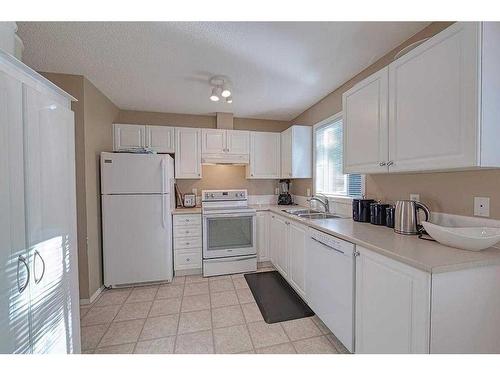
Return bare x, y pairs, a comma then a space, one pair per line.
137, 199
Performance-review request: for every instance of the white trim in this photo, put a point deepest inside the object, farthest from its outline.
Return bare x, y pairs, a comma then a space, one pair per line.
323, 123
93, 297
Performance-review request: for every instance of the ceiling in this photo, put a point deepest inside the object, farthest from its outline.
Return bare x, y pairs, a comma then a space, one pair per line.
277, 69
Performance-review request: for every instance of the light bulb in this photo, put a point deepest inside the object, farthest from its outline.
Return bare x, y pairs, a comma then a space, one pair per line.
225, 92
215, 94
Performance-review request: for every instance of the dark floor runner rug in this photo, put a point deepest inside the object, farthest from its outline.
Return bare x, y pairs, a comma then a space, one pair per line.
276, 299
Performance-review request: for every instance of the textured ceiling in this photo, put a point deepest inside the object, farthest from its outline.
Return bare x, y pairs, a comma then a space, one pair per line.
277, 69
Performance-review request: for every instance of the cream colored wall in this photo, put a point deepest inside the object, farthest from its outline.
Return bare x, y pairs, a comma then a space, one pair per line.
450, 192
99, 114
197, 121
227, 177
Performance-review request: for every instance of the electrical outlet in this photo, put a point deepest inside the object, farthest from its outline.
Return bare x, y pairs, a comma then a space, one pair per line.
482, 206
415, 197
276, 191
308, 193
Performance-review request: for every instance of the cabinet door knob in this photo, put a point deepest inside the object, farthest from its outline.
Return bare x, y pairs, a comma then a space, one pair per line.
188, 259
389, 163
382, 163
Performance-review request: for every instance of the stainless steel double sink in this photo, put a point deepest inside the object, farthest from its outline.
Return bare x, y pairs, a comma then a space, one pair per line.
310, 214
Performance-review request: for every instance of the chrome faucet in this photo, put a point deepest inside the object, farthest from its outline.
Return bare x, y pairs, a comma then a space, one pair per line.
324, 202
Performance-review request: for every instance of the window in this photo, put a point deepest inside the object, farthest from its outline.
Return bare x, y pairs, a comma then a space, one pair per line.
328, 153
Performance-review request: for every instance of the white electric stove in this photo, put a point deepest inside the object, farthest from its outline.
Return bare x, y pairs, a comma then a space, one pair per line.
229, 234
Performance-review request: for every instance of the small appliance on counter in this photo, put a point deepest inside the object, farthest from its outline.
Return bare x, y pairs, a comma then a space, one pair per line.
361, 210
378, 213
189, 200
285, 197
389, 216
406, 219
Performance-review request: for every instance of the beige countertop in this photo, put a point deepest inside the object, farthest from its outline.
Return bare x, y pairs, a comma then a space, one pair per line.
425, 255
181, 211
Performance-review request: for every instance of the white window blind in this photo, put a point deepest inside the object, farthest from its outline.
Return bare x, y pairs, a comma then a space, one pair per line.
329, 178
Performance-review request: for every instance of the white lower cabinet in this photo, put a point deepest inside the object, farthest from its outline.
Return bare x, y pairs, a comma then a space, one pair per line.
297, 252
392, 306
287, 251
279, 244
262, 236
188, 245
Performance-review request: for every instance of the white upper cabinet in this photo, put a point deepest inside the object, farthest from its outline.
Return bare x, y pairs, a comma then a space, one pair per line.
265, 155
213, 141
392, 306
442, 106
126, 136
225, 146
188, 153
366, 126
296, 152
129, 136
433, 96
160, 138
237, 142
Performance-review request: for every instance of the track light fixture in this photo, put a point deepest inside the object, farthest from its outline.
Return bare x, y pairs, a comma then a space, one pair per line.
220, 89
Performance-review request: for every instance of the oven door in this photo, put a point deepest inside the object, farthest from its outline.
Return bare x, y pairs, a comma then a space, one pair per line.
227, 235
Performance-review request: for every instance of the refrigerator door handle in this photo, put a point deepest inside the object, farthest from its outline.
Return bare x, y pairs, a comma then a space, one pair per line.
163, 223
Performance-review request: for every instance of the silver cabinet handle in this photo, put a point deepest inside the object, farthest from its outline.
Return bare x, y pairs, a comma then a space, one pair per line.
34, 267
187, 243
188, 259
22, 259
389, 163
382, 163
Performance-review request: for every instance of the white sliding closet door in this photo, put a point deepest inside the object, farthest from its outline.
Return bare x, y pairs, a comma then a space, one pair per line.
14, 280
51, 224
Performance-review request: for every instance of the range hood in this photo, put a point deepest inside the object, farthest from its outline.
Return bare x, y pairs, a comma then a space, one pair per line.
224, 156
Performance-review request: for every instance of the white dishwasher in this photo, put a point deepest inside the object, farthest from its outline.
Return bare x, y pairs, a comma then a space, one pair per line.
330, 273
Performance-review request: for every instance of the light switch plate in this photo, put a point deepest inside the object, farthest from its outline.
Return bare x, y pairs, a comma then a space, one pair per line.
482, 206
415, 197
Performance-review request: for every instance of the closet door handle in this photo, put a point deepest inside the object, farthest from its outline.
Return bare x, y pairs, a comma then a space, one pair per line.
34, 267
22, 259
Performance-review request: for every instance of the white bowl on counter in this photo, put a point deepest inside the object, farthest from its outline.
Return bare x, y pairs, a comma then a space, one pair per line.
469, 238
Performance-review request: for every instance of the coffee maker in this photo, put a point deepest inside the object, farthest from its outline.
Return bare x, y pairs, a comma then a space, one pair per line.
284, 198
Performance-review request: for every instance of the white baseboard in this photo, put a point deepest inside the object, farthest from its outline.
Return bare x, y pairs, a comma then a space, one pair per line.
93, 297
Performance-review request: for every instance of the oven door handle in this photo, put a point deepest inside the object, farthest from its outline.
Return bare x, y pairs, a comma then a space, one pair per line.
230, 259
242, 214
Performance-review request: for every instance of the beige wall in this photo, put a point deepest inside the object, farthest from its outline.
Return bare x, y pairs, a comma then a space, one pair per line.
197, 121
450, 192
227, 177
99, 114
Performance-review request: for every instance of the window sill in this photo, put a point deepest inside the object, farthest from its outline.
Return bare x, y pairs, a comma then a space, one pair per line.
339, 198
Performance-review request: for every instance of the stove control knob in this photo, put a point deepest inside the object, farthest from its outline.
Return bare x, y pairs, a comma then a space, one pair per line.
211, 195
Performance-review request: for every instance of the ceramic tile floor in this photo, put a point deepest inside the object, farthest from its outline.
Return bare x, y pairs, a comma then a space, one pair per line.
195, 315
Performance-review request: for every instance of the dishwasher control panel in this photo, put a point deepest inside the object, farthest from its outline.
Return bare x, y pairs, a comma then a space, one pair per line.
332, 241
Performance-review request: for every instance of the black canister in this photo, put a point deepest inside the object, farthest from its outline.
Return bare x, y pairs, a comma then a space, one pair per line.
389, 216
361, 210
378, 213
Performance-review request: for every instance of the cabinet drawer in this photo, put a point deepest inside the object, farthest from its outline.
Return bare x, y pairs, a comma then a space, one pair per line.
191, 231
187, 243
187, 220
187, 260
